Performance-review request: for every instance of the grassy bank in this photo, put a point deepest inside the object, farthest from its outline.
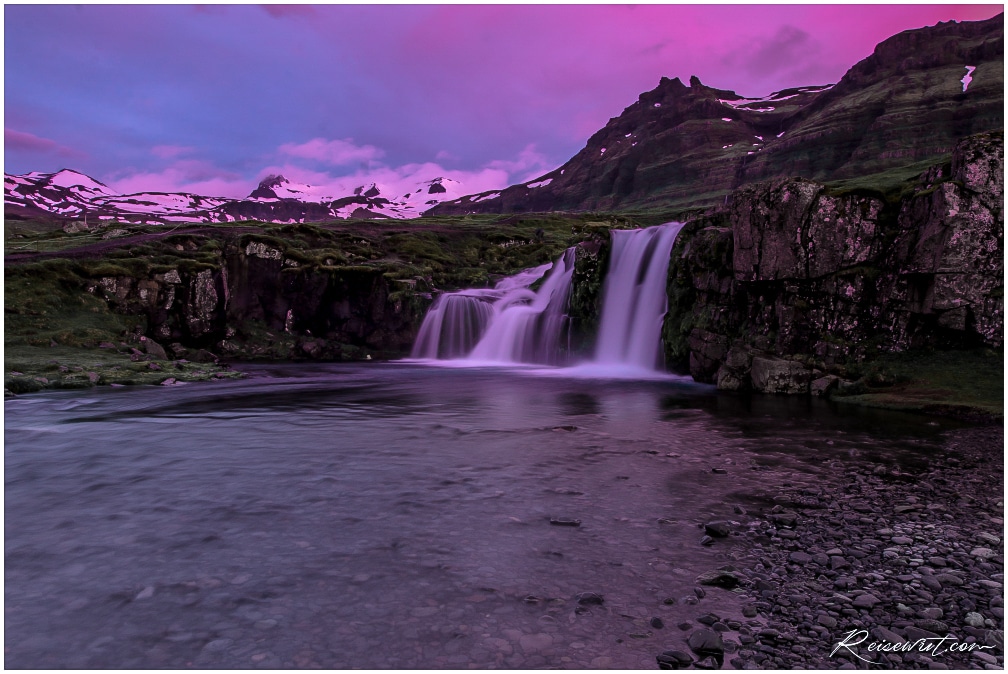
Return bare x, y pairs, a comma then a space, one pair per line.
967, 385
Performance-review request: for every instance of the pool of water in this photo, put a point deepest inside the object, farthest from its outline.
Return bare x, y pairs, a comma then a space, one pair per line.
392, 515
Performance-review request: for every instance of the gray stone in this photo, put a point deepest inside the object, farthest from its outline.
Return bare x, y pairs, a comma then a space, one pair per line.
866, 601
705, 641
776, 375
719, 528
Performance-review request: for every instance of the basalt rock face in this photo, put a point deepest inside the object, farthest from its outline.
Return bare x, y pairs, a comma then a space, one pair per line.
258, 303
680, 147
792, 283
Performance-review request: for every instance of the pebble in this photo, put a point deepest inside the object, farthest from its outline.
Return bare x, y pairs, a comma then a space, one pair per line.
974, 619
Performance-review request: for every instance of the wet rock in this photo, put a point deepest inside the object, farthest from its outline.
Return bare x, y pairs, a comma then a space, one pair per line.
719, 578
777, 375
709, 662
674, 659
718, 529
565, 522
153, 349
590, 599
657, 623
706, 540
706, 641
823, 386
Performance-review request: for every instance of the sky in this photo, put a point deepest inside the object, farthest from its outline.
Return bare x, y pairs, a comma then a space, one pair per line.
210, 99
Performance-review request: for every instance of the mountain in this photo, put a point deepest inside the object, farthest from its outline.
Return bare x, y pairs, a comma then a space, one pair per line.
678, 146
70, 194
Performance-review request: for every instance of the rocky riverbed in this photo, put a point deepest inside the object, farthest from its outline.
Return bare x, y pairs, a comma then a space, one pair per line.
869, 570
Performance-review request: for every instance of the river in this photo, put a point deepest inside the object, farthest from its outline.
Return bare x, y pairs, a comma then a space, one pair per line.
393, 515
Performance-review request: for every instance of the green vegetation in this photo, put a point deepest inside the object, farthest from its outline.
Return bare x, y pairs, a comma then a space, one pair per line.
964, 384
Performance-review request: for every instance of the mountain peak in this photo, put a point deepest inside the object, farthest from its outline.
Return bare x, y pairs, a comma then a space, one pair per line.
267, 187
271, 181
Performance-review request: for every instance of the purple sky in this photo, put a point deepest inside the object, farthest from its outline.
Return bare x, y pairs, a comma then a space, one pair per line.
211, 99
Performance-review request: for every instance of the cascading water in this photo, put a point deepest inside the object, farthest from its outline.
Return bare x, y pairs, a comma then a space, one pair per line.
457, 321
634, 299
453, 325
527, 327
512, 324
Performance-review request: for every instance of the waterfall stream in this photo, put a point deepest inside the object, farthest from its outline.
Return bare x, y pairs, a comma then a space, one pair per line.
511, 324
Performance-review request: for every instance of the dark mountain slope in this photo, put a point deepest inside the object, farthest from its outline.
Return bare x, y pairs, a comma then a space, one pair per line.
684, 146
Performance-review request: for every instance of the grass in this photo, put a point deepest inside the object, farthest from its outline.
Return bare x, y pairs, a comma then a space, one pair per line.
964, 384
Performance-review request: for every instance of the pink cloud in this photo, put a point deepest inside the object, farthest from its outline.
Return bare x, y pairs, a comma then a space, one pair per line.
187, 175
528, 164
334, 152
171, 151
399, 180
29, 142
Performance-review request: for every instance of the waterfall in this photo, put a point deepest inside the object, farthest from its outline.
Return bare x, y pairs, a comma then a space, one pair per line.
511, 324
634, 298
457, 321
528, 327
453, 325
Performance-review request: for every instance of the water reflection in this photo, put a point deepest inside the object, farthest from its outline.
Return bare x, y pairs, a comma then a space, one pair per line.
322, 514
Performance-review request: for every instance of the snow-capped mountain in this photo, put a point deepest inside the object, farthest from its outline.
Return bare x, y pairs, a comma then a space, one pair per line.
73, 195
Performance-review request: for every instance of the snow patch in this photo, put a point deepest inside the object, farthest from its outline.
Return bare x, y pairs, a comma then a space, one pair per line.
492, 195
968, 77
67, 178
657, 105
541, 183
780, 134
726, 119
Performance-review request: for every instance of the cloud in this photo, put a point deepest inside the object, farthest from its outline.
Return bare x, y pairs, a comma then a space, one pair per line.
394, 181
171, 151
775, 56
186, 175
529, 164
20, 141
332, 152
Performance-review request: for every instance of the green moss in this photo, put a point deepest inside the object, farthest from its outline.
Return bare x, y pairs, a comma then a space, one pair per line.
966, 384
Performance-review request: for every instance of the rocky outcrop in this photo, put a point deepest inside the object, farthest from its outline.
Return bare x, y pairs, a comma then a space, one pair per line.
793, 282
256, 302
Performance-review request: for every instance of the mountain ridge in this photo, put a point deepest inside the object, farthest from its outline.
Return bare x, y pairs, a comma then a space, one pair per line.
72, 195
684, 147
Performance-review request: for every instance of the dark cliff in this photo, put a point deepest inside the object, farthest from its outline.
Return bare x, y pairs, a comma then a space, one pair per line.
259, 302
793, 283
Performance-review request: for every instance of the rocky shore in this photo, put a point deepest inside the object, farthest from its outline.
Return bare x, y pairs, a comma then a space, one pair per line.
868, 570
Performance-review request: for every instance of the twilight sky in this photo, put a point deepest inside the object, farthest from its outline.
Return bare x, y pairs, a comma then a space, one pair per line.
211, 99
